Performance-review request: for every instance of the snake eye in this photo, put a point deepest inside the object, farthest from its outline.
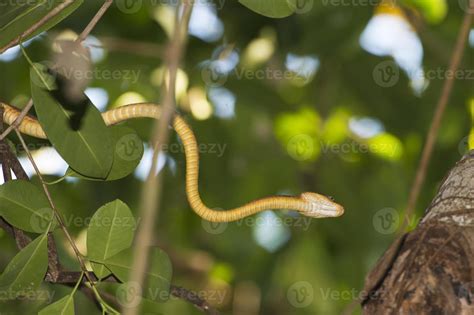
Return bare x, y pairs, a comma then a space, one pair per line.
331, 198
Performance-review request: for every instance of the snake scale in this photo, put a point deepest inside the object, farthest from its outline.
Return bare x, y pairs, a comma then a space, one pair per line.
309, 204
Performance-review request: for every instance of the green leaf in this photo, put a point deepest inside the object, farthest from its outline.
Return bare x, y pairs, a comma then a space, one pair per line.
88, 150
434, 11
24, 206
270, 8
64, 306
110, 231
386, 146
26, 270
158, 276
18, 16
299, 133
127, 154
124, 291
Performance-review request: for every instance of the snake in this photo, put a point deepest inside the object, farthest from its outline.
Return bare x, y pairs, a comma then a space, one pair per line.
309, 204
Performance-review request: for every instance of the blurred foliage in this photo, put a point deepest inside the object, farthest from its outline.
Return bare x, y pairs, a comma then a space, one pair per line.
226, 264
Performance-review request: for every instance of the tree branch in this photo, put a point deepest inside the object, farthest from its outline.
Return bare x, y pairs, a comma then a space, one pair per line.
55, 273
432, 270
151, 193
377, 275
437, 118
94, 21
51, 14
18, 120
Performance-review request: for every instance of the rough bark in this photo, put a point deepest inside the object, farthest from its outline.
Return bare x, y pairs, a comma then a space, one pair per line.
433, 269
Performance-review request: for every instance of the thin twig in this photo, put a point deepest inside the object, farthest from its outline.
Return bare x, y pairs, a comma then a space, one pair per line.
8, 161
66, 277
71, 277
18, 120
152, 190
80, 39
51, 14
426, 155
437, 118
57, 214
94, 21
194, 299
7, 175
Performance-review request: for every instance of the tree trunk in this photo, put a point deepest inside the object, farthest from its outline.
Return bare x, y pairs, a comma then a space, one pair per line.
431, 269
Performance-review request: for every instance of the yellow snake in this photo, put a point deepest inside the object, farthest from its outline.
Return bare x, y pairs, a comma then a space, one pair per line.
308, 203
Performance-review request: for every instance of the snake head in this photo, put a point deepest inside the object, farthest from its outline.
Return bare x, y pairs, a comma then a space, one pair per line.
321, 206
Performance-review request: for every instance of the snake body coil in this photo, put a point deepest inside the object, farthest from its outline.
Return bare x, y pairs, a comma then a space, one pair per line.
309, 204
